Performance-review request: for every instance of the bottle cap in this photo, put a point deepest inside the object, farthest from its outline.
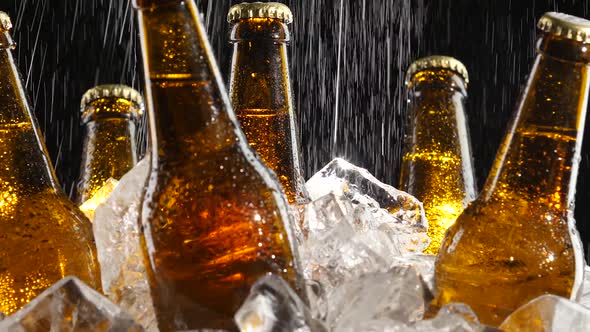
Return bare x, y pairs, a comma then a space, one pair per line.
112, 91
260, 10
437, 61
566, 26
5, 22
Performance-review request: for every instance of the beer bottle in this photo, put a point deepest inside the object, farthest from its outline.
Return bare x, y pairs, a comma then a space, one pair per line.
518, 240
437, 167
214, 217
260, 89
109, 114
44, 236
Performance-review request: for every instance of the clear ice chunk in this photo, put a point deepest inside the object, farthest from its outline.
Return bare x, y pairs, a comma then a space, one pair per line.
344, 179
424, 264
455, 317
68, 306
116, 231
101, 195
548, 313
399, 295
272, 306
343, 241
585, 298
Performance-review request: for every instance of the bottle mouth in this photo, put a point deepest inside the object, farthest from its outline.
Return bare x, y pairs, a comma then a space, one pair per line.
111, 108
563, 49
260, 29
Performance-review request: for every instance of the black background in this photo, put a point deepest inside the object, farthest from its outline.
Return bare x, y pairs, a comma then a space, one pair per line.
67, 46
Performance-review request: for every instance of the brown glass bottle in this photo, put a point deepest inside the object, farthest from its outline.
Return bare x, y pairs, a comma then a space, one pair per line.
437, 166
109, 114
260, 89
518, 240
44, 236
214, 217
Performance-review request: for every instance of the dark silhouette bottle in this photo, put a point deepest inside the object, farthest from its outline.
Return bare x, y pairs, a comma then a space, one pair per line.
44, 236
260, 89
214, 217
109, 114
518, 241
437, 166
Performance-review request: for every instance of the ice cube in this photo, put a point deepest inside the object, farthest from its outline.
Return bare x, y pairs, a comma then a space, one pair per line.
273, 306
344, 179
101, 195
116, 231
343, 241
453, 317
548, 313
337, 256
70, 305
424, 264
399, 295
585, 298
325, 213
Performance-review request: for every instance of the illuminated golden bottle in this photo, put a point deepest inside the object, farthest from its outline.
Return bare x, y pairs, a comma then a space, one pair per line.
43, 237
260, 89
109, 114
437, 167
215, 219
518, 239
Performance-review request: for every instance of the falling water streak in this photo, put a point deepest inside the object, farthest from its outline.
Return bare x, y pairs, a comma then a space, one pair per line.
35, 45
337, 88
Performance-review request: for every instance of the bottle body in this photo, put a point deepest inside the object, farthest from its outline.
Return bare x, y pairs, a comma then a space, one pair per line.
260, 92
109, 145
518, 240
214, 218
437, 166
44, 235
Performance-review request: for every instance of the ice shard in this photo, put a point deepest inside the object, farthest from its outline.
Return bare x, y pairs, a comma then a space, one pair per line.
548, 313
116, 231
273, 306
70, 306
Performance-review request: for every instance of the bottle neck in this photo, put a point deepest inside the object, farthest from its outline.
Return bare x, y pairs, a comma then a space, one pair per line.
26, 167
109, 152
260, 69
539, 158
189, 115
436, 131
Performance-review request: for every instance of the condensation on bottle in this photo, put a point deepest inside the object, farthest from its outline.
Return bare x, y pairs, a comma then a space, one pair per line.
518, 240
437, 165
44, 235
110, 114
260, 90
214, 217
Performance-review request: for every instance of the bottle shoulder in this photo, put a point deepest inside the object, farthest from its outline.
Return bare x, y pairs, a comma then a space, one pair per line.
47, 210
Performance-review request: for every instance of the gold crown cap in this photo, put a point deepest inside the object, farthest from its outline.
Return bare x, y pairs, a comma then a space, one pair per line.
112, 91
5, 22
437, 61
566, 26
260, 10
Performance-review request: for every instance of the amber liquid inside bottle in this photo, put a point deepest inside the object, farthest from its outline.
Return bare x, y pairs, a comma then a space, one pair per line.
109, 145
517, 241
260, 92
44, 236
437, 167
214, 218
